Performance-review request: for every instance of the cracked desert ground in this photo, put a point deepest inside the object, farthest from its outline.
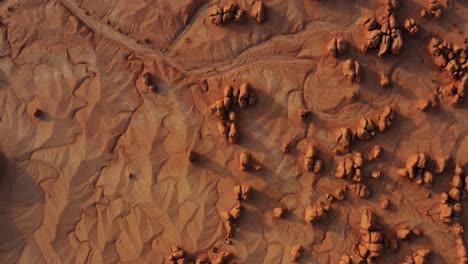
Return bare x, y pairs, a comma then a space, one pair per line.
198, 131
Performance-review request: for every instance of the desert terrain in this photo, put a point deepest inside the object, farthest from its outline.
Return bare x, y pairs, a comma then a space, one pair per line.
205, 131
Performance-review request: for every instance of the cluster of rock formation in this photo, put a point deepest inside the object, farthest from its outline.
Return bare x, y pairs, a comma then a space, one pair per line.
231, 12
349, 167
372, 238
453, 59
176, 256
462, 256
450, 57
411, 26
339, 194
430, 102
360, 190
316, 212
403, 232
454, 93
214, 256
222, 15
343, 141
385, 35
311, 160
421, 256
241, 193
367, 129
415, 168
229, 219
224, 109
434, 9
450, 202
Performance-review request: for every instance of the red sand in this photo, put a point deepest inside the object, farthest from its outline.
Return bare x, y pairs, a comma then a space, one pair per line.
114, 148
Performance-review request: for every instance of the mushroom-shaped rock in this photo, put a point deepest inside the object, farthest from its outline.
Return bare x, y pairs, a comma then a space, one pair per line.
258, 11
393, 22
352, 70
446, 213
361, 190
228, 12
318, 165
375, 152
147, 78
245, 161
384, 45
235, 211
244, 93
176, 254
340, 194
403, 172
304, 115
337, 46
357, 160
393, 4
369, 221
427, 179
343, 141
192, 156
229, 224
455, 194
242, 192
217, 256
376, 174
460, 247
385, 118
459, 170
403, 232
279, 212
457, 181
296, 253
223, 128
373, 38
385, 204
238, 15
216, 14
370, 24
397, 41
384, 80
315, 212
233, 136
345, 259
421, 255
311, 162
366, 129
219, 109
466, 184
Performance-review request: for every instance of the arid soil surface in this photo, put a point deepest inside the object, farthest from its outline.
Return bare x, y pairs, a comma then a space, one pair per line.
192, 131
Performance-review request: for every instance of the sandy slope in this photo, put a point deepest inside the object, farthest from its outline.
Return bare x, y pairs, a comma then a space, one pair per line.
103, 175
